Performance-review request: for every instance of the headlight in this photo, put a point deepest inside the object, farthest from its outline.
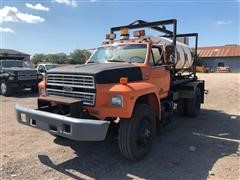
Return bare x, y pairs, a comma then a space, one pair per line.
11, 77
117, 100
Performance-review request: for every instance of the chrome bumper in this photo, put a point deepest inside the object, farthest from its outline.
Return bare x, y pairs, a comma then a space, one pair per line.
71, 128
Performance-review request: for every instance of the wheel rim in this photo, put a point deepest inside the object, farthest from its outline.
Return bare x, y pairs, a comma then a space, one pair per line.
144, 133
3, 88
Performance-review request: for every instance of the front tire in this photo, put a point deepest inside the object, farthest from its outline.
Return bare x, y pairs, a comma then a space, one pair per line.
136, 134
5, 89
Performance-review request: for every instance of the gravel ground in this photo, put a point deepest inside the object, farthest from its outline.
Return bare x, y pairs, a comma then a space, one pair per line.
206, 147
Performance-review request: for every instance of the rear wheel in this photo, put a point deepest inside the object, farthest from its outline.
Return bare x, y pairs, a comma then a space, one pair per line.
181, 106
4, 89
136, 134
193, 105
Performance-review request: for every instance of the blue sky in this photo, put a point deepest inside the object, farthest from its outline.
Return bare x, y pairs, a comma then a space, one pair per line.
64, 25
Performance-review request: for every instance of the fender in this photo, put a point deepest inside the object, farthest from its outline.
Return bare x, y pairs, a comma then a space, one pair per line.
187, 91
135, 90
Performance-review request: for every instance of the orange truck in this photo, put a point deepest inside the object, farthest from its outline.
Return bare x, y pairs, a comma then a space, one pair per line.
130, 84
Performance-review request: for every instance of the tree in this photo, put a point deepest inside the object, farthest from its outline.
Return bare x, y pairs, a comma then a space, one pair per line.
87, 54
79, 56
62, 58
38, 58
59, 58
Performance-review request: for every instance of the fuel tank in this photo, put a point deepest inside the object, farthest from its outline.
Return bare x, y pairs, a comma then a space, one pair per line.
183, 57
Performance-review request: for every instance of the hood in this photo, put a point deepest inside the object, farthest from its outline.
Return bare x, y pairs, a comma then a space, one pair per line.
18, 69
15, 70
103, 72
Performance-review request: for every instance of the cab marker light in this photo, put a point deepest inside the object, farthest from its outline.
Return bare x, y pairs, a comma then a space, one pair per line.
139, 33
111, 36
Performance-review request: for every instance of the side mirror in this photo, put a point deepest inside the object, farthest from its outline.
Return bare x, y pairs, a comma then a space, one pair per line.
42, 70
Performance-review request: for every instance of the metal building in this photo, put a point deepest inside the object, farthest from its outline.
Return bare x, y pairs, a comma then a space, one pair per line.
220, 56
13, 54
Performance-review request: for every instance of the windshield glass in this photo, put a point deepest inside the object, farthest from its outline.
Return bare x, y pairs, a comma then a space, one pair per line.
12, 63
52, 66
134, 53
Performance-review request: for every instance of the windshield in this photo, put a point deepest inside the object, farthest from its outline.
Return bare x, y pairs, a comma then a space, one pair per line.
134, 53
12, 63
52, 66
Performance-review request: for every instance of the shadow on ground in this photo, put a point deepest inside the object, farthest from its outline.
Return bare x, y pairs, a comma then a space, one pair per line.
214, 134
25, 93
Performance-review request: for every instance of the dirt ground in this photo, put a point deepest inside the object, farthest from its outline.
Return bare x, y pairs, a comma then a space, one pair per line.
28, 153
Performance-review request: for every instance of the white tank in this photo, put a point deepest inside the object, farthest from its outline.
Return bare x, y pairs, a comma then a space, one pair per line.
183, 58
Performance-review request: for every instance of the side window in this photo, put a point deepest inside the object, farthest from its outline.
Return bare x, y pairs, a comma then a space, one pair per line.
221, 64
41, 69
151, 61
157, 54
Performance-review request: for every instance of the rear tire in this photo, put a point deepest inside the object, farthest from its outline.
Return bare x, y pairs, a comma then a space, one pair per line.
193, 105
5, 89
136, 134
181, 106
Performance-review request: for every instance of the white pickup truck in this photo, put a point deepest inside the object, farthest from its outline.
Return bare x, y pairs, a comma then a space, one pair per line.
43, 68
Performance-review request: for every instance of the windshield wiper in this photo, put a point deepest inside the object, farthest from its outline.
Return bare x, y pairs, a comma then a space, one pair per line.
115, 60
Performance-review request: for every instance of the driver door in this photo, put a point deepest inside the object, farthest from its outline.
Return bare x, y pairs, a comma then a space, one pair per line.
159, 75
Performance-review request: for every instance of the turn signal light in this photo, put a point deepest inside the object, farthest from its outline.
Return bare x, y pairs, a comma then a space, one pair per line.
123, 80
139, 33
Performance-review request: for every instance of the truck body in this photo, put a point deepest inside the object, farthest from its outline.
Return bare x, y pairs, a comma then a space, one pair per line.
131, 84
45, 67
15, 74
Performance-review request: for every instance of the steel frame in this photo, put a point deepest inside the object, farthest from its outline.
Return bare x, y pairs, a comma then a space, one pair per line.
160, 26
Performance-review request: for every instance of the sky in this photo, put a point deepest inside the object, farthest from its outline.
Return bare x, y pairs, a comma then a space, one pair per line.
52, 26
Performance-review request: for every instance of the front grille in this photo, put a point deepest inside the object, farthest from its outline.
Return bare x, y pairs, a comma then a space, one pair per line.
72, 85
72, 80
27, 75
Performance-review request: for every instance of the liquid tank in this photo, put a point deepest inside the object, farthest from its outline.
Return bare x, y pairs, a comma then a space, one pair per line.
183, 58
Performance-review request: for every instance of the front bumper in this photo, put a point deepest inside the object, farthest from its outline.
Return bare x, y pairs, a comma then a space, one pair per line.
71, 128
22, 83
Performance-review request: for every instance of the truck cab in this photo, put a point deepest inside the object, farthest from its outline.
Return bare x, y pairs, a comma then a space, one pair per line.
131, 84
16, 74
44, 67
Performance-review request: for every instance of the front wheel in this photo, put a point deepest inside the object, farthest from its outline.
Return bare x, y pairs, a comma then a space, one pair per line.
136, 134
5, 89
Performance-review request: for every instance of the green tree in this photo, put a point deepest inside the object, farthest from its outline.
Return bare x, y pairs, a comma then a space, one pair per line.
38, 58
59, 58
87, 54
62, 58
79, 56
